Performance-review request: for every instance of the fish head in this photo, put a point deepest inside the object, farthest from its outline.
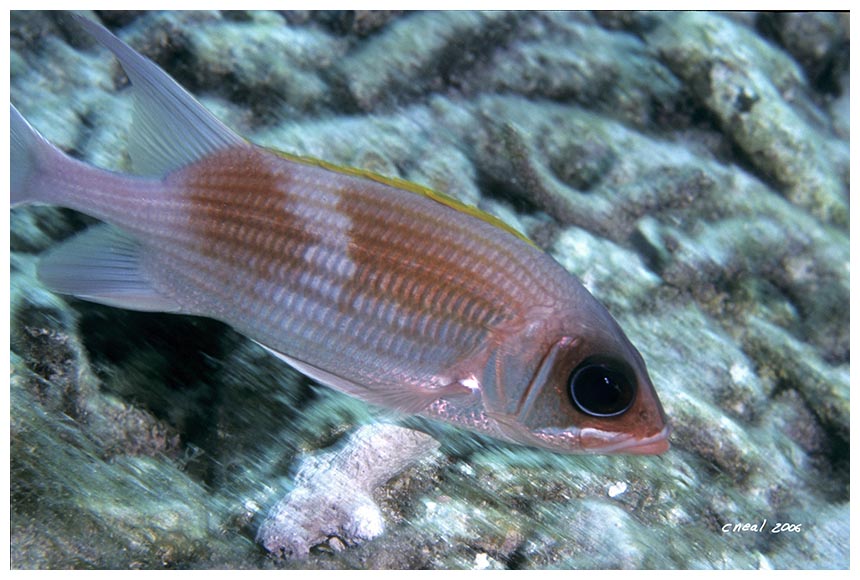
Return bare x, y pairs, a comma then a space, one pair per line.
585, 389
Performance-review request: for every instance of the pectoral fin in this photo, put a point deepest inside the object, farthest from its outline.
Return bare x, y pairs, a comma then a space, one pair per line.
403, 398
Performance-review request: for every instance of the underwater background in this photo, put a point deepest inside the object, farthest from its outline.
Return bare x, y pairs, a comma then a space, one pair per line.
691, 168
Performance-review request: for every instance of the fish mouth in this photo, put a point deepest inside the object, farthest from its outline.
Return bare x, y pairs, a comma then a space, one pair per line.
653, 445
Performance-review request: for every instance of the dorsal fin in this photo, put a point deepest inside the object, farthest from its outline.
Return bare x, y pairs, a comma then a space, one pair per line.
171, 129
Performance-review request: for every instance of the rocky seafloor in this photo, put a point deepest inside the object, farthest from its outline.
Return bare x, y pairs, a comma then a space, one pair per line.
691, 168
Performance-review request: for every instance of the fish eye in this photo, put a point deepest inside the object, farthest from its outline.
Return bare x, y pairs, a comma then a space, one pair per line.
601, 389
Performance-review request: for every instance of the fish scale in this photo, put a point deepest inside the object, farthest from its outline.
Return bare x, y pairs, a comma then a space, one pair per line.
382, 289
227, 227
311, 279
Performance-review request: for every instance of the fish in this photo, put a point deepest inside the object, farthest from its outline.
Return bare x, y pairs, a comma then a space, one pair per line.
379, 288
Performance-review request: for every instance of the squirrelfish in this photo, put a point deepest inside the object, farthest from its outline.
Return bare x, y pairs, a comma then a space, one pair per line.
376, 287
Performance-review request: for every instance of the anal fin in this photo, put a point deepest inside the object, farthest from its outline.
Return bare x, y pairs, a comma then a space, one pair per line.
103, 265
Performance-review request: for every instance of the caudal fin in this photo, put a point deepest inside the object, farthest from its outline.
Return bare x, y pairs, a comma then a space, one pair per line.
31, 154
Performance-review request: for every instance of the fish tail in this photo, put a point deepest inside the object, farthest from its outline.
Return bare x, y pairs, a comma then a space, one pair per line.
31, 156
103, 264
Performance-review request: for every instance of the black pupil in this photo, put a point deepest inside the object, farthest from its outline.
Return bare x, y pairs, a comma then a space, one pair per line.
600, 391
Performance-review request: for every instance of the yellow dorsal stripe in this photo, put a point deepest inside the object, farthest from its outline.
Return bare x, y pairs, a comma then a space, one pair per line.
412, 187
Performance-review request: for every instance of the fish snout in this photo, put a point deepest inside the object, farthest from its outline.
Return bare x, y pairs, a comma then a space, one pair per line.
596, 441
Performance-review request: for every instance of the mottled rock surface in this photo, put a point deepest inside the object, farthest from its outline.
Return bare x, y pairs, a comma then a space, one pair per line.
691, 168
332, 497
